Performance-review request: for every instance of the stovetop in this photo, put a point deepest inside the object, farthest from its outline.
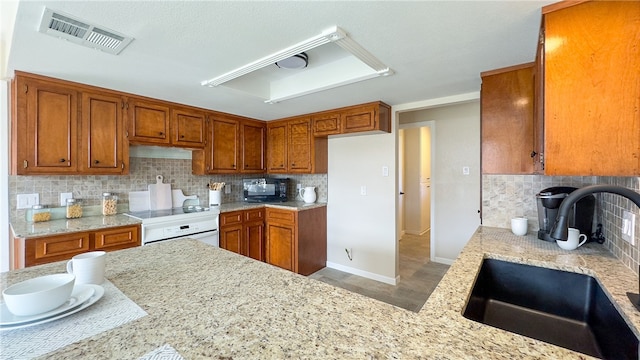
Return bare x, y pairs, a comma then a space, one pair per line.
181, 212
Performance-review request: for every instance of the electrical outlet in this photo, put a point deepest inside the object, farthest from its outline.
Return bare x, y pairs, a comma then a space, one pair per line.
628, 227
64, 197
363, 190
227, 188
465, 170
349, 252
26, 201
385, 171
298, 187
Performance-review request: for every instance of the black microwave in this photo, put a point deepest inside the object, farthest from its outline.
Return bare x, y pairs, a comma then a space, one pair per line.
265, 190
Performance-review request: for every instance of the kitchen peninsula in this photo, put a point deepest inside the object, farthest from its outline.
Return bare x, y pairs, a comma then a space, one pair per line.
209, 303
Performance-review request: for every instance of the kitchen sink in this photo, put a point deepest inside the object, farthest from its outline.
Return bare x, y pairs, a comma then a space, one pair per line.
558, 307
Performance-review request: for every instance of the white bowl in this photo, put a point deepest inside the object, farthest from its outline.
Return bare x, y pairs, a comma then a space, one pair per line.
38, 295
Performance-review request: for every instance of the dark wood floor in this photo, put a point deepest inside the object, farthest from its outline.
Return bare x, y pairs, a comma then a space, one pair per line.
418, 277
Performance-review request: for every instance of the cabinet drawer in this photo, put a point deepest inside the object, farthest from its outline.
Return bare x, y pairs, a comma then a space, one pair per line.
118, 238
254, 215
231, 218
54, 248
282, 216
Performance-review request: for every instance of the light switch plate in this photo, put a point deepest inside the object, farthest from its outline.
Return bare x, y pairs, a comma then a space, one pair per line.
26, 201
628, 227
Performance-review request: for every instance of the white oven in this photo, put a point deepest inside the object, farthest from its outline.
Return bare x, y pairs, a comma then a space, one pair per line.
193, 222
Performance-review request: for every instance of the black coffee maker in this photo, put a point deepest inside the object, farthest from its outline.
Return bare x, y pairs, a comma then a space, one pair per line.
580, 216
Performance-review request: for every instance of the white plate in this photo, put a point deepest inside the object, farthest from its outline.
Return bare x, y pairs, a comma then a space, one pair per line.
79, 294
98, 291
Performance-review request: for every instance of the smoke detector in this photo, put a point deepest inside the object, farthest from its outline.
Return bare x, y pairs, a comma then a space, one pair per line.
65, 26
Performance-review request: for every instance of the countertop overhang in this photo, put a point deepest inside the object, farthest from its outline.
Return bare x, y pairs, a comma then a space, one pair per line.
209, 303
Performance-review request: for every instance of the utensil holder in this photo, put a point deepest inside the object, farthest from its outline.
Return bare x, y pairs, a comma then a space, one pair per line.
215, 197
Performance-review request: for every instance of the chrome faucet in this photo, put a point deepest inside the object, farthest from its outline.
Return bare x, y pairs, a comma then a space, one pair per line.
560, 228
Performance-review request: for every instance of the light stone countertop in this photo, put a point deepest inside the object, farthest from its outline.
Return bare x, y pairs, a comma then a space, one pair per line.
207, 303
288, 205
24, 229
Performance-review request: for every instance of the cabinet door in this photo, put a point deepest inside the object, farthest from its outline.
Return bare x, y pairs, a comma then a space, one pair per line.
254, 240
358, 119
254, 233
591, 92
299, 145
103, 142
507, 126
231, 238
148, 122
277, 147
55, 248
188, 128
46, 121
116, 238
280, 245
224, 145
326, 124
253, 146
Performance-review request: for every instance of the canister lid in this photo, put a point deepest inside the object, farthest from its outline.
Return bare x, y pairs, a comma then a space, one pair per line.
106, 194
37, 207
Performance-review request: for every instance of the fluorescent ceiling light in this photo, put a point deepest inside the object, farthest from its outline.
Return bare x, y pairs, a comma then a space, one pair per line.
334, 35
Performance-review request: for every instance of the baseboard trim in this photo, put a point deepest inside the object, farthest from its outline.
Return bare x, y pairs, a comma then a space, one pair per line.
443, 261
365, 274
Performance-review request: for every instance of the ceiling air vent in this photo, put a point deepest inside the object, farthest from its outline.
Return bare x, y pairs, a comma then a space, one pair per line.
64, 26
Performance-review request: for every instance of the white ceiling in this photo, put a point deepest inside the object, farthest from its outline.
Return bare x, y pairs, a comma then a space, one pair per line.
435, 48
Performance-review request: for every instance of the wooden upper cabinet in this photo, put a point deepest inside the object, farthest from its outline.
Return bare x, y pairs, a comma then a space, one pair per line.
44, 127
291, 148
253, 135
104, 148
277, 146
149, 122
225, 144
299, 145
366, 117
187, 128
591, 89
326, 124
507, 123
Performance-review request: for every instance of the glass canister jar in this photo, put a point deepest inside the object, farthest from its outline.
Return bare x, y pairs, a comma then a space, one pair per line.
109, 204
40, 213
74, 209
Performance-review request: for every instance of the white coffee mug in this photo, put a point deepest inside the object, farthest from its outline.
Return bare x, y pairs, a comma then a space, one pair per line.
519, 226
574, 240
88, 267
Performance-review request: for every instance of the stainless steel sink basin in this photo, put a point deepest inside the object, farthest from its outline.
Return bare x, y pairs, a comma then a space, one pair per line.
562, 308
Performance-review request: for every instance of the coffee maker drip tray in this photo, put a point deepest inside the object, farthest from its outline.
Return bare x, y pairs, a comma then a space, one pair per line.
580, 216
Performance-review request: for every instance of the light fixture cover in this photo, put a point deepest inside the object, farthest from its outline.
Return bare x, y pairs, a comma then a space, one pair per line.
298, 61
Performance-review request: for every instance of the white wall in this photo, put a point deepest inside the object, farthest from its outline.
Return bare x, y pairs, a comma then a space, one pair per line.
4, 176
366, 224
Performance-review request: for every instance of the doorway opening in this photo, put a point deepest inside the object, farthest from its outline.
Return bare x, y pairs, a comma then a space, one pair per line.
414, 202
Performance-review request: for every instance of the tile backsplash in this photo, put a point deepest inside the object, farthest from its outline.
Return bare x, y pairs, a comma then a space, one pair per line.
507, 196
143, 172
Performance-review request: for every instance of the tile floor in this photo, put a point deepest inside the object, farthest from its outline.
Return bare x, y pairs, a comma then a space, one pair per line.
418, 277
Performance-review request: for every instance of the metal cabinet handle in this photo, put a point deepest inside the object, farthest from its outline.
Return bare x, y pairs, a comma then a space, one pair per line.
63, 160
96, 162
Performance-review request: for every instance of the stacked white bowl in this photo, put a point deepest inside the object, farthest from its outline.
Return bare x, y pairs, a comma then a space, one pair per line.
38, 295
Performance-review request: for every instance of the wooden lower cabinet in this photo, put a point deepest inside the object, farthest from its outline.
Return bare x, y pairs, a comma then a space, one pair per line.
296, 240
47, 249
242, 232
